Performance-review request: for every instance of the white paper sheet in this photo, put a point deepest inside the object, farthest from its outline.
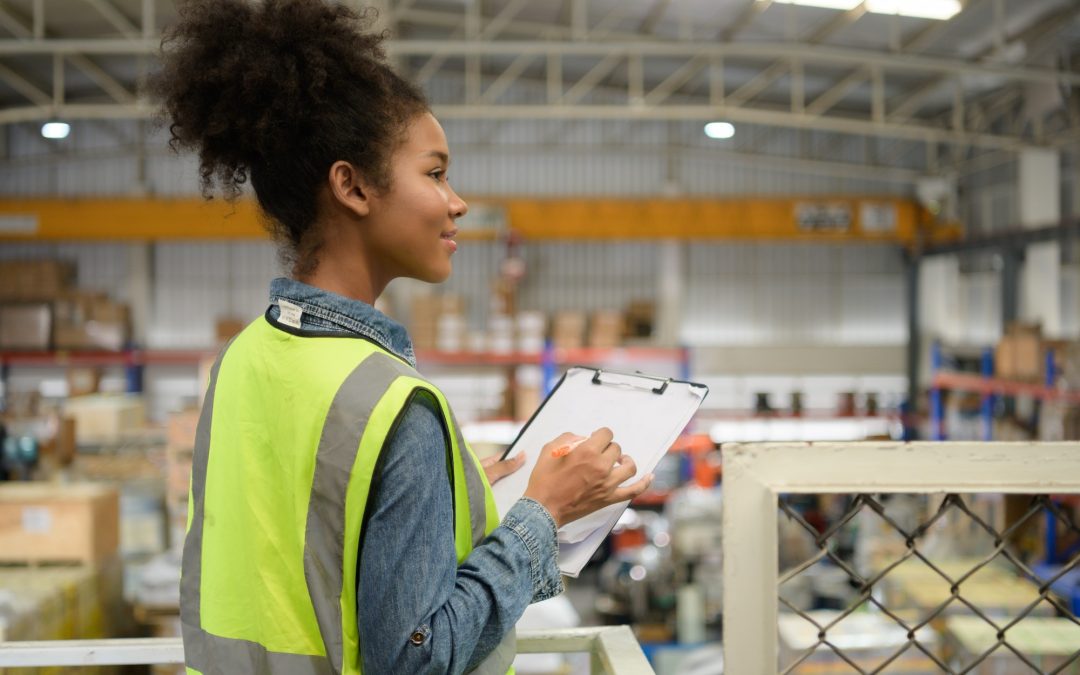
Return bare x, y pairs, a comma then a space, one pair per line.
645, 425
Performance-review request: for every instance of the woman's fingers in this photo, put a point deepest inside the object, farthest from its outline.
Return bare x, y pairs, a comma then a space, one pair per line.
496, 470
630, 491
623, 470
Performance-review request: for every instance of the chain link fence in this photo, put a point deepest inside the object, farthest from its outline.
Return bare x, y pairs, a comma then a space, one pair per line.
905, 583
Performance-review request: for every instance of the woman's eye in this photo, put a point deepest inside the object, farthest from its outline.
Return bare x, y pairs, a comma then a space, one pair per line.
437, 174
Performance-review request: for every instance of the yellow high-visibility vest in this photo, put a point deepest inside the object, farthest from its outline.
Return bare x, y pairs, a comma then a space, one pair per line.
286, 448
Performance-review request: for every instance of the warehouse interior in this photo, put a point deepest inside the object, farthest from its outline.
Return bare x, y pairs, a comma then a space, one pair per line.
852, 220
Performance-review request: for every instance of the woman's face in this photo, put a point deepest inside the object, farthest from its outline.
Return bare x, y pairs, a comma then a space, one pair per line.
412, 224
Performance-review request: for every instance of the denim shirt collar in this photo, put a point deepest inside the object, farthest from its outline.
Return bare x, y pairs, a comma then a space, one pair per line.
323, 310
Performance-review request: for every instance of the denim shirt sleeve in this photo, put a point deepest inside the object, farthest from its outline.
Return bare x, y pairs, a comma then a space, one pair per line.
419, 611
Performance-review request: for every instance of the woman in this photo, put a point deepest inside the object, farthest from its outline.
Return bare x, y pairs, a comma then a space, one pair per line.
338, 523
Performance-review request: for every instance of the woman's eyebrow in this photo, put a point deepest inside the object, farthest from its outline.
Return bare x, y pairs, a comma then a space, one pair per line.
438, 153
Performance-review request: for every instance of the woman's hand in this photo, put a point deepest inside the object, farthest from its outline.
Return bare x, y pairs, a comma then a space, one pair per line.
585, 479
496, 470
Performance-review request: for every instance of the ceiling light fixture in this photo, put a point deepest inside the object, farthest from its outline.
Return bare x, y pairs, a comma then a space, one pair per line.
824, 4
56, 130
920, 9
720, 130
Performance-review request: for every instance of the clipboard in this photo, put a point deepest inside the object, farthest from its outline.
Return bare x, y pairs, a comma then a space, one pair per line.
646, 414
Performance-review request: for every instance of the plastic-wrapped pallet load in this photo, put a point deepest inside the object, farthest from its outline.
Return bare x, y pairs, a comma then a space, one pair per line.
866, 638
1048, 642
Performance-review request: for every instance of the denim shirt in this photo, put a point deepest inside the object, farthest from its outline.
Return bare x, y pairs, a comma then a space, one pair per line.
418, 611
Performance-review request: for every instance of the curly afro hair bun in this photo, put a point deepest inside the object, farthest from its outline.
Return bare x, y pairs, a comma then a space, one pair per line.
277, 92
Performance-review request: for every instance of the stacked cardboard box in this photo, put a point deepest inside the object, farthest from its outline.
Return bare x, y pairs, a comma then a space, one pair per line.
568, 330
26, 326
105, 419
43, 522
40, 309
226, 328
179, 453
606, 329
27, 280
1019, 354
90, 321
426, 314
528, 387
640, 319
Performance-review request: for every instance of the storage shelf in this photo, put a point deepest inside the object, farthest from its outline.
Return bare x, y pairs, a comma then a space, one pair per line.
990, 385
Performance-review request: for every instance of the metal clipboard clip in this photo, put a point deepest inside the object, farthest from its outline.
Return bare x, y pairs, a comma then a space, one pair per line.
659, 389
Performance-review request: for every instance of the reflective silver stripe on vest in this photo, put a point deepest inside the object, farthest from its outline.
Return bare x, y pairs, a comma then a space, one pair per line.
475, 486
191, 579
324, 543
214, 655
499, 660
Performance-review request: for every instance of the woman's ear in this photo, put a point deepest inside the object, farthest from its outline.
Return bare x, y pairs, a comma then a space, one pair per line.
348, 189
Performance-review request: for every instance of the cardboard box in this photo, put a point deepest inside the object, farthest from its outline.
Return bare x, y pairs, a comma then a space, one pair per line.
640, 319
83, 380
61, 447
181, 428
103, 418
35, 279
426, 311
225, 329
606, 329
45, 522
1019, 354
26, 326
568, 330
90, 321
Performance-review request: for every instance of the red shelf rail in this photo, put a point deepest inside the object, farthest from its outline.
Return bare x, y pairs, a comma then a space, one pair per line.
991, 385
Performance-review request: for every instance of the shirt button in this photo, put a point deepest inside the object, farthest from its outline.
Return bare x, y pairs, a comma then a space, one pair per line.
417, 638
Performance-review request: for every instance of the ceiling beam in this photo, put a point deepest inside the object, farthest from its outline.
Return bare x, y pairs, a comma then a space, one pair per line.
592, 78
16, 25
24, 87
837, 91
913, 44
908, 63
507, 78
827, 54
486, 32
745, 18
656, 13
777, 69
678, 78
115, 17
103, 80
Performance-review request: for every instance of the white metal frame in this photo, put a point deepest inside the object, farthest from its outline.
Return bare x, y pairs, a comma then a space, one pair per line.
613, 649
754, 474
